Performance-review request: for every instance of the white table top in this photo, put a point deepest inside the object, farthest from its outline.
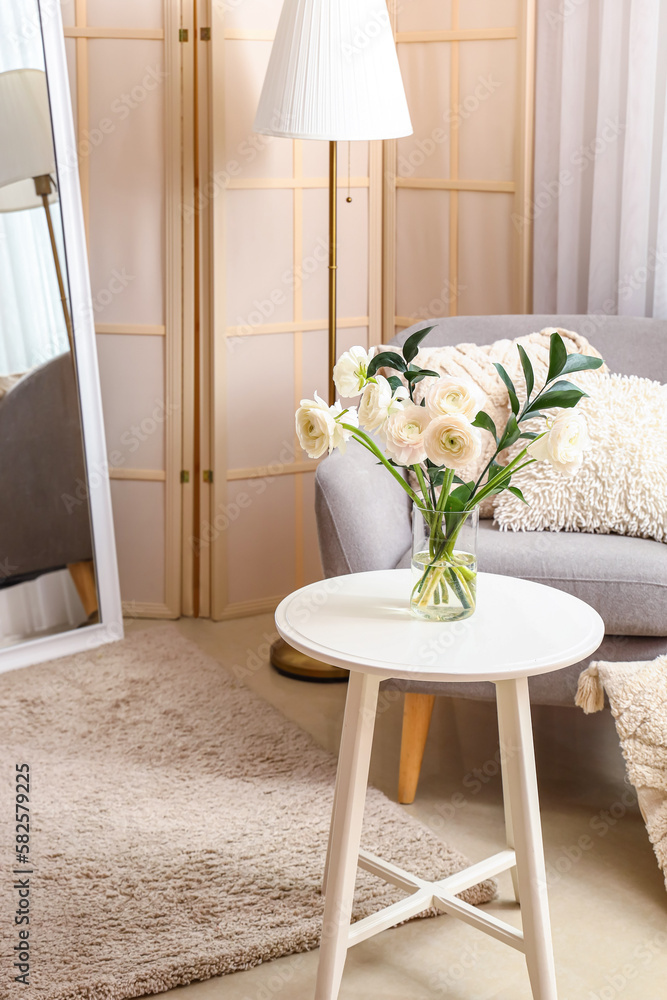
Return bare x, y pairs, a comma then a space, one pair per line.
362, 622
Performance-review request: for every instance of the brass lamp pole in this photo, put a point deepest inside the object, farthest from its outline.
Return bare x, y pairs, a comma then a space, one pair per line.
284, 658
333, 75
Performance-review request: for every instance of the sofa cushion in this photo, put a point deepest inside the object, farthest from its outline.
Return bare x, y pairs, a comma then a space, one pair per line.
624, 579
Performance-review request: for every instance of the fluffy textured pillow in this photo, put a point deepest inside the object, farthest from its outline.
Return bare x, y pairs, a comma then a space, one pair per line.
621, 487
475, 362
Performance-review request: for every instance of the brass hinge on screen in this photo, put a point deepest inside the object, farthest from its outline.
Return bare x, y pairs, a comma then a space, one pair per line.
183, 34
207, 475
205, 34
185, 476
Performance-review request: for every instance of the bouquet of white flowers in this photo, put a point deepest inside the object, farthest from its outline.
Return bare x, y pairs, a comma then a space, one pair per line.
439, 435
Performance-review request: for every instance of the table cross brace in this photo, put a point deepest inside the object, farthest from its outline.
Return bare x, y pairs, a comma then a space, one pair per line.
441, 894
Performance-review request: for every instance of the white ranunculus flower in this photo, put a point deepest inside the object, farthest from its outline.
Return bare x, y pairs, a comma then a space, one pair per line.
452, 441
348, 416
404, 434
564, 443
454, 396
350, 371
318, 429
379, 401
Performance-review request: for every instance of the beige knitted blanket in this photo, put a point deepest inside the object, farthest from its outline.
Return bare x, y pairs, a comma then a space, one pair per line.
637, 695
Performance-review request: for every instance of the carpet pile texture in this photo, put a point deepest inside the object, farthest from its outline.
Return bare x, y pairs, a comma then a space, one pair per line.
178, 824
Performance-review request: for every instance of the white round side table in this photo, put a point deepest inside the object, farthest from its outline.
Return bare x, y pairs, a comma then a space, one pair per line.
362, 622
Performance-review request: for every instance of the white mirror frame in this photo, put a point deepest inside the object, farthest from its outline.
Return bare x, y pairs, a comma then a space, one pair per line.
110, 627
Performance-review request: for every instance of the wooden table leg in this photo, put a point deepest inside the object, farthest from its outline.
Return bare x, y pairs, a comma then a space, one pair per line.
347, 818
516, 736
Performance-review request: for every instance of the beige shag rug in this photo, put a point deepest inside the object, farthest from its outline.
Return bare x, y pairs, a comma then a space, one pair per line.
178, 824
637, 695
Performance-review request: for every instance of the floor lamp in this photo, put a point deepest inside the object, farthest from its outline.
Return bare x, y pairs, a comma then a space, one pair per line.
333, 75
27, 160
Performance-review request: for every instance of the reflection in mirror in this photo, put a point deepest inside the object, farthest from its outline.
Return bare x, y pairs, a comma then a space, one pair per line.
47, 577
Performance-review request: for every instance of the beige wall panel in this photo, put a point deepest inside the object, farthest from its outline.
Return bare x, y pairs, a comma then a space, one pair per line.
314, 375
424, 15
489, 13
260, 272
127, 181
427, 74
250, 15
133, 397
140, 524
316, 159
68, 11
485, 254
487, 107
262, 537
246, 153
125, 13
352, 253
260, 400
422, 255
312, 564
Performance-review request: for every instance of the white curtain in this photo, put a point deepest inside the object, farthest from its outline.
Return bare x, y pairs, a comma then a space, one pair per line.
600, 199
32, 324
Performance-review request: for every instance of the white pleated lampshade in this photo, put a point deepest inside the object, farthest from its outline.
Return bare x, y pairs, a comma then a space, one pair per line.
21, 197
333, 74
26, 143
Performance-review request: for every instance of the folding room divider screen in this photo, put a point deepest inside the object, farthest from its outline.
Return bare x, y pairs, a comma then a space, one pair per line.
208, 259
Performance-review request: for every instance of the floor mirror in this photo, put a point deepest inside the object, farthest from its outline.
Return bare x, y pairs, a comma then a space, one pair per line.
59, 589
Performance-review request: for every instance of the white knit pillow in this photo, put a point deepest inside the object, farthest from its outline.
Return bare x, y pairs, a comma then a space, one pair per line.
621, 487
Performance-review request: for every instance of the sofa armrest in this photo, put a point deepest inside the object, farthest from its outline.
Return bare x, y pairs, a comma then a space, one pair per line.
363, 515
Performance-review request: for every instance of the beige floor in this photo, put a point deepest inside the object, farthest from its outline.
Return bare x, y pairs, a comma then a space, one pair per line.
608, 901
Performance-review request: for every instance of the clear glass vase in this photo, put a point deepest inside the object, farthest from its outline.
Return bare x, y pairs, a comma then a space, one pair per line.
444, 564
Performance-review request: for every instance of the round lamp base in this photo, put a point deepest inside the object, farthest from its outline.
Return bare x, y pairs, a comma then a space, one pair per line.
291, 663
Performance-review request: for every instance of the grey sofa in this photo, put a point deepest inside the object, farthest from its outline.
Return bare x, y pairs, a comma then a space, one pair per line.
364, 524
44, 511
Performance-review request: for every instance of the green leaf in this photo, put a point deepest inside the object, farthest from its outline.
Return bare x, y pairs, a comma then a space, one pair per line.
563, 395
517, 493
514, 399
395, 382
530, 435
557, 356
417, 375
454, 504
511, 434
411, 345
484, 421
580, 363
494, 470
528, 373
387, 359
462, 492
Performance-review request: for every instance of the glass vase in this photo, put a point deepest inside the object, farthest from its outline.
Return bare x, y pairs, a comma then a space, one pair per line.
444, 564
